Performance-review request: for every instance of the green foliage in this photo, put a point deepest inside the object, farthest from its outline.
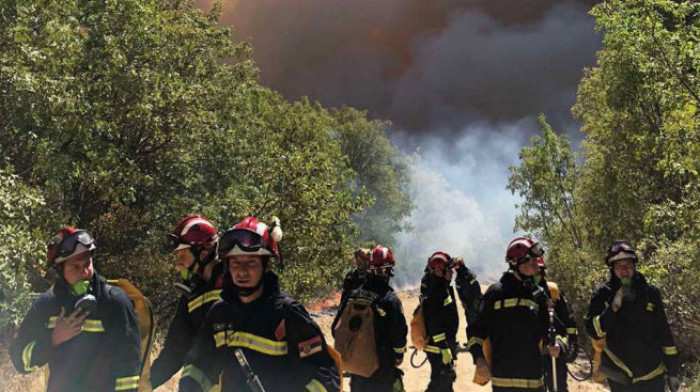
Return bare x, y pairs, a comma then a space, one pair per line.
20, 247
639, 175
128, 115
546, 180
382, 173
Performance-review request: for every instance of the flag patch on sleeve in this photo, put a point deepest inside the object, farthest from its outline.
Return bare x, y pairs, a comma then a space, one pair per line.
310, 347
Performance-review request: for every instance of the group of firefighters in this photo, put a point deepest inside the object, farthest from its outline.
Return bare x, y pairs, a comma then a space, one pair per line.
235, 330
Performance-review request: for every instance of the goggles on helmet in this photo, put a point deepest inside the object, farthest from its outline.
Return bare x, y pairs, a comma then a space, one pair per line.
246, 240
535, 251
175, 243
621, 250
67, 245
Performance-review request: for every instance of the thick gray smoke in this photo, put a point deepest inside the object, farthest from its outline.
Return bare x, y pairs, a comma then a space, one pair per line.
461, 80
461, 204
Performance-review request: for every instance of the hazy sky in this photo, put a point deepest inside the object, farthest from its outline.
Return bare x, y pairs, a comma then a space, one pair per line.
462, 81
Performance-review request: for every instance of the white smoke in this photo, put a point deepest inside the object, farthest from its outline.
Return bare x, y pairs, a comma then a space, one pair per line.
461, 202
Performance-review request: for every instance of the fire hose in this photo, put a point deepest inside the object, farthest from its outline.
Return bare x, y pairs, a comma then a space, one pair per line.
414, 355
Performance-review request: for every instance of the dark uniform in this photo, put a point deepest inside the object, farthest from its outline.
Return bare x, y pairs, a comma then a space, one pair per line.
640, 348
105, 356
390, 332
516, 323
191, 309
284, 347
567, 333
469, 292
441, 324
353, 280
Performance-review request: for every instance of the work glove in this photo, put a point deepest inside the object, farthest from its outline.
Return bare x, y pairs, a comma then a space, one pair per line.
446, 356
674, 383
617, 301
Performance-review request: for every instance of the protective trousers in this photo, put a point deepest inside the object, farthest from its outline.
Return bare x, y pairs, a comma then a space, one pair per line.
384, 379
442, 376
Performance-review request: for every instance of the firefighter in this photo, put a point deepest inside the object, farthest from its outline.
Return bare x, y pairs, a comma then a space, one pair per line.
390, 328
628, 313
441, 321
193, 241
514, 321
468, 290
83, 328
356, 277
565, 327
284, 347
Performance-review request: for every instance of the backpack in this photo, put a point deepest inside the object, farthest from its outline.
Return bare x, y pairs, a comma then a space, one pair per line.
598, 347
419, 335
147, 326
355, 338
335, 355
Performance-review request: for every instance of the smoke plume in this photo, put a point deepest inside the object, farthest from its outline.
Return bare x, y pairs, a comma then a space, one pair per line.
461, 80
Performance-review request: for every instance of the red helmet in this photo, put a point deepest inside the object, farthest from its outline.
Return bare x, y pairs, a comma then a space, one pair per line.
194, 230
381, 257
252, 237
68, 242
521, 249
440, 261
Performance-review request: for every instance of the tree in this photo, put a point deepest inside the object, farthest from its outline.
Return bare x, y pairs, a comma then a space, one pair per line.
128, 115
546, 180
382, 172
20, 247
639, 175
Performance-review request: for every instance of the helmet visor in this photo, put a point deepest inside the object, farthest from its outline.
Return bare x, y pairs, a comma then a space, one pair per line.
67, 246
246, 240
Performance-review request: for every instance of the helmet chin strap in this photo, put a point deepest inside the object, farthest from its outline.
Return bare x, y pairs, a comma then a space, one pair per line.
248, 291
189, 273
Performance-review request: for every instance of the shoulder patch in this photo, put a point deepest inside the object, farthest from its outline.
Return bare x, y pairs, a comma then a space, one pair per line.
281, 331
310, 347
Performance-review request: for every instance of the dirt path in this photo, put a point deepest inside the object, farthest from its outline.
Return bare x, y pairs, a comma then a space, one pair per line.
416, 380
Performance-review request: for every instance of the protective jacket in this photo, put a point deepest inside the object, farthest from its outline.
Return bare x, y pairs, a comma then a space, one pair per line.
469, 292
638, 339
516, 323
441, 324
389, 323
440, 310
390, 331
189, 316
283, 346
352, 281
105, 356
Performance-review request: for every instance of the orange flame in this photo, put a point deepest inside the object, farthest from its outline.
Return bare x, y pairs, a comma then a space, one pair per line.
321, 304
